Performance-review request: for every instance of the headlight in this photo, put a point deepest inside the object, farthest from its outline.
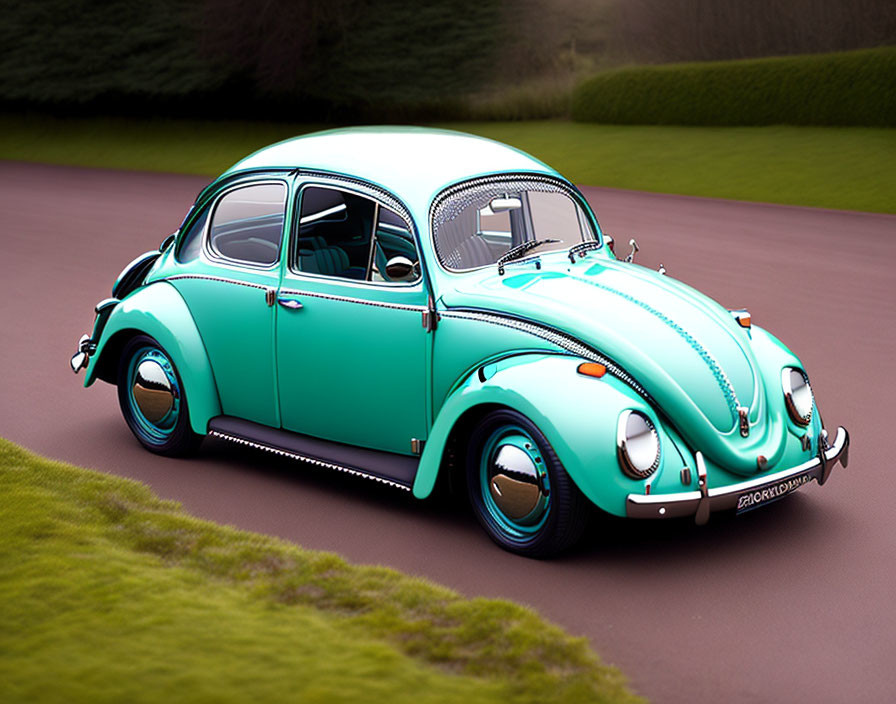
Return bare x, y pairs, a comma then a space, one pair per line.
797, 395
637, 445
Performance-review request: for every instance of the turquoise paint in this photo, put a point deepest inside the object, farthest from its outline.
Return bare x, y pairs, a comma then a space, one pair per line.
159, 311
373, 376
576, 414
645, 331
350, 372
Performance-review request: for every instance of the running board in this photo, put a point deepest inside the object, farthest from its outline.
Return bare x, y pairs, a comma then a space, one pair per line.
385, 467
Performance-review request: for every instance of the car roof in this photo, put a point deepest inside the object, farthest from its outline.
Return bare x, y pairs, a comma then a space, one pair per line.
414, 163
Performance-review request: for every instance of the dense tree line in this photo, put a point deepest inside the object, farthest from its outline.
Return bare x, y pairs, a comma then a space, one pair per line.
378, 59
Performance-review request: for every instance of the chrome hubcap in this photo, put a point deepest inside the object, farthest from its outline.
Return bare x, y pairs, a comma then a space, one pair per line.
516, 481
152, 391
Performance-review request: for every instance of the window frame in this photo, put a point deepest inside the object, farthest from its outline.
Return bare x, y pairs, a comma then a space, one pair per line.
292, 264
216, 257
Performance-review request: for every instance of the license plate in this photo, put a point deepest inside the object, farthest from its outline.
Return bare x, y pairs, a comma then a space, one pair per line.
760, 497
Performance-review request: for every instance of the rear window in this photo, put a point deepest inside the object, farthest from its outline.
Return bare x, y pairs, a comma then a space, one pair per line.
247, 225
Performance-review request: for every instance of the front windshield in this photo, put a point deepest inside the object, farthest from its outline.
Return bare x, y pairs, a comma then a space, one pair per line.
478, 225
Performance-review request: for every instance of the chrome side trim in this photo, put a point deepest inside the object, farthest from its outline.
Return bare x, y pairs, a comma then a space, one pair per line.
207, 277
562, 340
691, 503
305, 458
350, 299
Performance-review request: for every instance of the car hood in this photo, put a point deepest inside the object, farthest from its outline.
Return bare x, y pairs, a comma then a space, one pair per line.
686, 350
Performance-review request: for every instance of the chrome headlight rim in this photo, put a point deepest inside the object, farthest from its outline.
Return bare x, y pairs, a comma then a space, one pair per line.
624, 441
793, 395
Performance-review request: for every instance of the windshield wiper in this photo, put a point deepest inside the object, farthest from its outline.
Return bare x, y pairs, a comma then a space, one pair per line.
581, 248
520, 250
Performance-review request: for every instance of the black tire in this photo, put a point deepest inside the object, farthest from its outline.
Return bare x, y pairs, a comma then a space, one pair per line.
555, 526
163, 432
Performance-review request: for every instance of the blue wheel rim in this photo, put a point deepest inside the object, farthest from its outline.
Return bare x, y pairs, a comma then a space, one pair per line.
517, 437
158, 430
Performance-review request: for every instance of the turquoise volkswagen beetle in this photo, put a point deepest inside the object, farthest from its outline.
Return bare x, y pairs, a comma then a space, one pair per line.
409, 304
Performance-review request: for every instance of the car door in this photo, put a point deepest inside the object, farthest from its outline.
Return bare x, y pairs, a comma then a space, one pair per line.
352, 350
232, 252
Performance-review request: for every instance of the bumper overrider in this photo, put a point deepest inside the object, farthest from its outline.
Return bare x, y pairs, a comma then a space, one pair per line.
744, 495
87, 344
86, 347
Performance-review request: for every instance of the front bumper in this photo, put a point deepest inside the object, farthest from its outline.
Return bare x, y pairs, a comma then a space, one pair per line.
744, 495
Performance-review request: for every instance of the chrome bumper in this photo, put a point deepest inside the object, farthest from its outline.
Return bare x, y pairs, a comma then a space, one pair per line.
86, 347
744, 495
87, 344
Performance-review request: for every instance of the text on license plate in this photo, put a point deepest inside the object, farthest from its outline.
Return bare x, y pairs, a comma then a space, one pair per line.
760, 497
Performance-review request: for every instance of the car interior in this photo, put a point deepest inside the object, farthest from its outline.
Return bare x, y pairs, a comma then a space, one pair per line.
334, 237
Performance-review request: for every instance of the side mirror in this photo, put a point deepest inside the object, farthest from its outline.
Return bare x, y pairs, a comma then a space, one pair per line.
611, 243
399, 268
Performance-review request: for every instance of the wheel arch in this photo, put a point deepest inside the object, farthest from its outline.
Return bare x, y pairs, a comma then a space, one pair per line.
577, 415
160, 312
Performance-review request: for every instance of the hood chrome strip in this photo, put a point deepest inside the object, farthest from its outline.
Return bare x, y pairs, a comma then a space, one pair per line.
724, 383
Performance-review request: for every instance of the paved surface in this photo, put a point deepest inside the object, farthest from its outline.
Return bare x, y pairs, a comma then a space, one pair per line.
794, 603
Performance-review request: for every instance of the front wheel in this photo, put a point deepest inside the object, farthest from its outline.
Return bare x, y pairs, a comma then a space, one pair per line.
152, 399
519, 491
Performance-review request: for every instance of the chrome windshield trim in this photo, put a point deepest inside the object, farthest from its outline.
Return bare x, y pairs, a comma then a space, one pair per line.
439, 201
720, 498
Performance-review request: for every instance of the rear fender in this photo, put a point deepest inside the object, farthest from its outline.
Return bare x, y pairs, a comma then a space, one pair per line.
159, 311
578, 415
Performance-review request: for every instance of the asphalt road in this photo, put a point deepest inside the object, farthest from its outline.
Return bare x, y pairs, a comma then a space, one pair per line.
793, 603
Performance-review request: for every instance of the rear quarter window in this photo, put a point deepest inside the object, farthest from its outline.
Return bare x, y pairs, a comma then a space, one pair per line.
191, 241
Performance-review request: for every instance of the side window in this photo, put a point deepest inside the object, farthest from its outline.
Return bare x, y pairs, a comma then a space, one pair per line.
191, 241
394, 251
334, 233
247, 224
350, 236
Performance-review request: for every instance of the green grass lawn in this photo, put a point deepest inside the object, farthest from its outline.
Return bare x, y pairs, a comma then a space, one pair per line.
852, 168
108, 594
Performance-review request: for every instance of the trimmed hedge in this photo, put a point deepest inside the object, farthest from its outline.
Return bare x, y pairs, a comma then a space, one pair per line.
843, 88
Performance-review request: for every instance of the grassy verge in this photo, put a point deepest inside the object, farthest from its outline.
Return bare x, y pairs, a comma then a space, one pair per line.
109, 594
851, 168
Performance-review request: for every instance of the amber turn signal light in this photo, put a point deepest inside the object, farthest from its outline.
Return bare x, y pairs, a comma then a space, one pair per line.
592, 369
743, 318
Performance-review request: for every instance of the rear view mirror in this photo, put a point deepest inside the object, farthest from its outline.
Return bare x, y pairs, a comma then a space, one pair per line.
501, 205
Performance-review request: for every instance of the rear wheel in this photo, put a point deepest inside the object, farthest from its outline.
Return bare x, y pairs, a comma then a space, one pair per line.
519, 491
152, 400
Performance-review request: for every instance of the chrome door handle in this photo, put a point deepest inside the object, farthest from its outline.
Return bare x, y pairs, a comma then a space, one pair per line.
291, 303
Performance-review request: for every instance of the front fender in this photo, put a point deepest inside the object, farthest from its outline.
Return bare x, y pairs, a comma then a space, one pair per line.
159, 311
578, 415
